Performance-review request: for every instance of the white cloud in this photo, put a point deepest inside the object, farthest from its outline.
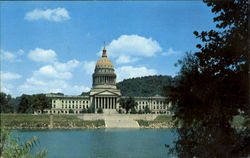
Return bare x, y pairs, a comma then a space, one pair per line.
66, 66
50, 71
125, 72
7, 81
6, 87
56, 15
20, 52
125, 59
8, 56
171, 51
89, 66
42, 55
127, 47
34, 85
53, 78
6, 76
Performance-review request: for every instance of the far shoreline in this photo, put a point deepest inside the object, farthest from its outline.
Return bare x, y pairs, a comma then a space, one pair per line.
72, 122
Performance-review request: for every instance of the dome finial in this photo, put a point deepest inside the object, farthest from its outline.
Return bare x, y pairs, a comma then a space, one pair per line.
104, 51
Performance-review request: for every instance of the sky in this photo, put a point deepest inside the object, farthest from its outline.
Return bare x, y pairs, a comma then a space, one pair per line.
53, 46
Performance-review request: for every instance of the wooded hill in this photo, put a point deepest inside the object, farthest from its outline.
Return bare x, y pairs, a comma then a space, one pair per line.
145, 86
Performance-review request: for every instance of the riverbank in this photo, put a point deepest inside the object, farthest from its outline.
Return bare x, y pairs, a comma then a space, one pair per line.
161, 121
31, 121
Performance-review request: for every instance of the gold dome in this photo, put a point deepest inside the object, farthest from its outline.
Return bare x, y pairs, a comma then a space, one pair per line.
104, 62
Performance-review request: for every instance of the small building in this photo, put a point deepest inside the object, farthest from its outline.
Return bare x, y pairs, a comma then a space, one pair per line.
104, 94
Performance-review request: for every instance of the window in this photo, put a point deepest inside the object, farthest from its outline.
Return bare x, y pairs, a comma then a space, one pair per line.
54, 101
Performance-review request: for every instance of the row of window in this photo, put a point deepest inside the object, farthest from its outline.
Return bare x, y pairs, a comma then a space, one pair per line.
154, 107
154, 102
65, 107
73, 101
61, 112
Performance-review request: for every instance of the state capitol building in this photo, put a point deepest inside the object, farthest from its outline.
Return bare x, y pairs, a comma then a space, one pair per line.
104, 94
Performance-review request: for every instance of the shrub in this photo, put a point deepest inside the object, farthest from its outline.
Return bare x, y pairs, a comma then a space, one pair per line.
120, 111
133, 111
147, 110
83, 111
140, 112
100, 111
89, 110
71, 111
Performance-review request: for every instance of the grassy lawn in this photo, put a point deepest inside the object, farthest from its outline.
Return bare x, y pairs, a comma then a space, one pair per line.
159, 121
43, 121
164, 120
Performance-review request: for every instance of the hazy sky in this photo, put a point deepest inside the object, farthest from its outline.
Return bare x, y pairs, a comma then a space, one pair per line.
53, 46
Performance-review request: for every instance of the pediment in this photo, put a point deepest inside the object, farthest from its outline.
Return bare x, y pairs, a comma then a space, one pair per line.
105, 92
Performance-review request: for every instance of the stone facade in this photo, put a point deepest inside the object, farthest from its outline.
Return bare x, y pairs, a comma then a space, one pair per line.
104, 95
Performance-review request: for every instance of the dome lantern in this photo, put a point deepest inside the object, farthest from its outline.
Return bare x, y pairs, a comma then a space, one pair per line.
104, 52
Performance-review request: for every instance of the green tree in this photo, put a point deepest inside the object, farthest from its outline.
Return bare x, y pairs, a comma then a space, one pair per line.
99, 110
147, 110
5, 103
29, 103
71, 111
40, 102
133, 110
140, 112
24, 104
89, 110
127, 103
212, 88
13, 148
83, 111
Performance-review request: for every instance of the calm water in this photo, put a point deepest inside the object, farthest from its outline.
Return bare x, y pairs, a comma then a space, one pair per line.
103, 143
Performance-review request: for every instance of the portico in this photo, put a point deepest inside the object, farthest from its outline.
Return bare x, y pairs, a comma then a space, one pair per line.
105, 102
104, 93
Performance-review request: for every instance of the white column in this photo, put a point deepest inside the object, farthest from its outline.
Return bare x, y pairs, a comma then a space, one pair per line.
95, 102
109, 103
98, 102
101, 101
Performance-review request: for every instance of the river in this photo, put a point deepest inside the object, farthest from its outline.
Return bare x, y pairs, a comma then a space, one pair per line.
103, 143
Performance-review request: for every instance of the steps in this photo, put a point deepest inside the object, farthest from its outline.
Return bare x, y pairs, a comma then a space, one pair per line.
120, 122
